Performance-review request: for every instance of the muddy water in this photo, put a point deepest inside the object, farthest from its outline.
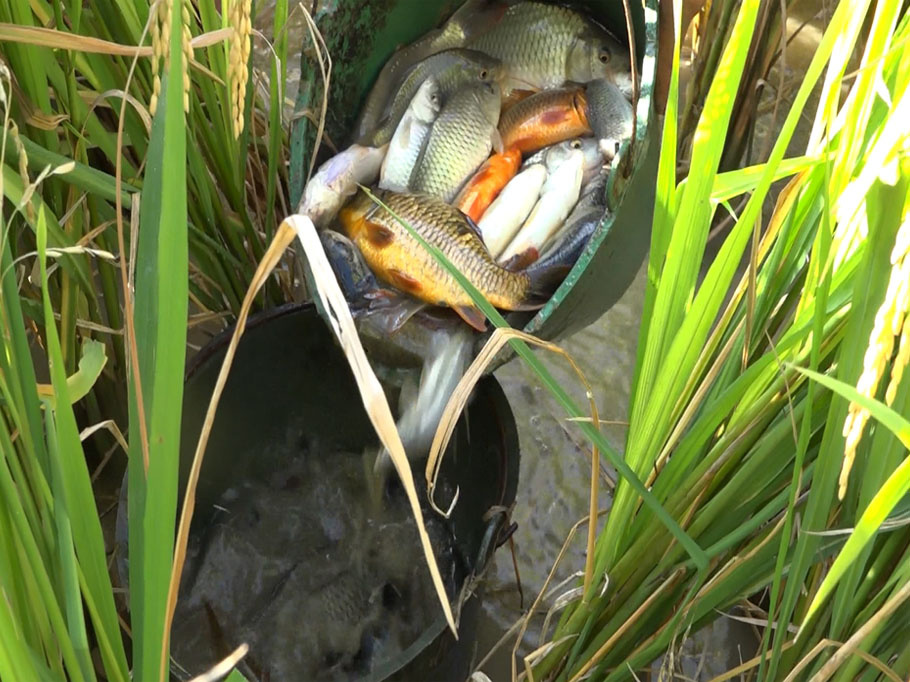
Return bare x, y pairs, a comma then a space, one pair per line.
555, 468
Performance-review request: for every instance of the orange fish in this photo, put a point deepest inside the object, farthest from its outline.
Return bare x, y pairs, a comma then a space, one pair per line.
486, 184
545, 118
396, 257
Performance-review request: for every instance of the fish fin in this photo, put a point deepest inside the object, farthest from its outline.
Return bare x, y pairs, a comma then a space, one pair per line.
404, 281
378, 235
392, 314
545, 280
496, 139
472, 315
520, 261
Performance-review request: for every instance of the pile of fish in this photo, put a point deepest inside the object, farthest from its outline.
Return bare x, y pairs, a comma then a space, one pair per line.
492, 137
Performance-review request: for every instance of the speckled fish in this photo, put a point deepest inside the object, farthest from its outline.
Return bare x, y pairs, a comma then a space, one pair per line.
545, 118
557, 197
473, 16
486, 184
505, 216
544, 46
409, 137
337, 179
461, 140
396, 257
610, 115
452, 70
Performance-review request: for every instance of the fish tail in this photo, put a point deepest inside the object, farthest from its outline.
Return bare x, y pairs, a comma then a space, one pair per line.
545, 278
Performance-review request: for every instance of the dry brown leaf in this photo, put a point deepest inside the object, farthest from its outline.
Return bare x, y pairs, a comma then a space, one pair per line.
459, 398
371, 393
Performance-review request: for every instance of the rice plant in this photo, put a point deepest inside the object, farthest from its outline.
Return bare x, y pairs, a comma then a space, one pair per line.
727, 430
142, 186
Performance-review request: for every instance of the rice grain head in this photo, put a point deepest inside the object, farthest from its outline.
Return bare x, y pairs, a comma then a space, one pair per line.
892, 322
160, 18
239, 16
187, 54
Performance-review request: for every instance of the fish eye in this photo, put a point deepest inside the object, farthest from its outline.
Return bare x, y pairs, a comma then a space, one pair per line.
604, 56
575, 144
484, 74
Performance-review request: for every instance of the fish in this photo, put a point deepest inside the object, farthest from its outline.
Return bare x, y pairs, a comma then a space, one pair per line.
611, 116
564, 247
337, 180
411, 133
557, 197
593, 159
507, 213
543, 46
461, 140
452, 70
472, 17
545, 118
396, 257
486, 184
354, 276
446, 359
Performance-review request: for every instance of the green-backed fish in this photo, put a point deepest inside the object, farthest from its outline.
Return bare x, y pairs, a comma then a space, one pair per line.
460, 140
544, 46
396, 257
452, 69
472, 17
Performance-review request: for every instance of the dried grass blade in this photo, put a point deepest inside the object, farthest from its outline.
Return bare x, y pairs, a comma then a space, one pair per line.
459, 398
374, 400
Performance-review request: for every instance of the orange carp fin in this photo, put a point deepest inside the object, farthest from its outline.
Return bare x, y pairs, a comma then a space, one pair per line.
472, 316
404, 281
378, 235
520, 261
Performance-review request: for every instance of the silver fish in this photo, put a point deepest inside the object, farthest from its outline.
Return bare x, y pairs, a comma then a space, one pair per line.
594, 160
337, 179
610, 115
503, 218
409, 137
558, 196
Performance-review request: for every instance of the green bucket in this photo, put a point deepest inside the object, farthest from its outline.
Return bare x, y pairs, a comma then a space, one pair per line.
362, 34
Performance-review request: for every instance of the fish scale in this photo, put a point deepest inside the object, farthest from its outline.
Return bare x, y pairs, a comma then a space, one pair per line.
460, 141
540, 62
452, 69
396, 257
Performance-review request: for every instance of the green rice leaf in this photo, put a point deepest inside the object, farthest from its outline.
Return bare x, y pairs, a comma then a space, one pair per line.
161, 327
